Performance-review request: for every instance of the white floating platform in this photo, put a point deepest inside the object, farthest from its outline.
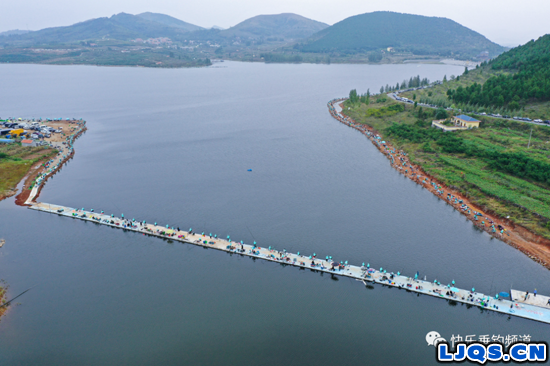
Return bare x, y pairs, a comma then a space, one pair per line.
534, 309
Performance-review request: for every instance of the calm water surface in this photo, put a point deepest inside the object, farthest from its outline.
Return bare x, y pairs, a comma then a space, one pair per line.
174, 146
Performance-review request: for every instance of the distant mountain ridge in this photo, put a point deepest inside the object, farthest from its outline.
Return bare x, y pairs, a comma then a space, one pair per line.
169, 21
125, 27
121, 26
14, 32
285, 25
403, 32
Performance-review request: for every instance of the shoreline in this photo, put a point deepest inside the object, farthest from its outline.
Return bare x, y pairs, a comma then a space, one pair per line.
534, 246
41, 175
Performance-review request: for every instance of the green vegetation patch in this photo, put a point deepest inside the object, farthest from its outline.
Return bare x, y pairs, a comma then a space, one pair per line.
502, 166
15, 162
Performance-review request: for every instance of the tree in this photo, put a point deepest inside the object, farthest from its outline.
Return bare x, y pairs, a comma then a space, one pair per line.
375, 57
445, 78
414, 96
353, 98
441, 114
381, 90
465, 70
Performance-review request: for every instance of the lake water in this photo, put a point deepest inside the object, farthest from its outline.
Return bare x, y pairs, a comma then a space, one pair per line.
174, 146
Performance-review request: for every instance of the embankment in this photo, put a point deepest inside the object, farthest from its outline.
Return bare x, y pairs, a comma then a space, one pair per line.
534, 246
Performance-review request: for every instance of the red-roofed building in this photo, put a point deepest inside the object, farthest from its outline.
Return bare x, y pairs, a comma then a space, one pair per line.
30, 143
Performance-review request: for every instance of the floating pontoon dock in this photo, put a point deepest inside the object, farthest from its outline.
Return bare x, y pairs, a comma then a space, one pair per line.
363, 273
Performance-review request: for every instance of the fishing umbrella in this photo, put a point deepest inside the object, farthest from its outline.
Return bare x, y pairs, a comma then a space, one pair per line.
454, 289
504, 294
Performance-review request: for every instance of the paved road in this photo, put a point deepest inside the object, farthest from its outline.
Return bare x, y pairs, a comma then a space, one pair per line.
394, 96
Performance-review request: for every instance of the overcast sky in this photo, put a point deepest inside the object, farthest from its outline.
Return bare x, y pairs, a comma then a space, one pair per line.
507, 22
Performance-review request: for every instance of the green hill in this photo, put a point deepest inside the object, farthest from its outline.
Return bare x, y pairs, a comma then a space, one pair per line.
287, 26
417, 34
169, 21
527, 79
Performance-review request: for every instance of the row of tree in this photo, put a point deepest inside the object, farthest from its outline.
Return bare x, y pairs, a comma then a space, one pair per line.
413, 82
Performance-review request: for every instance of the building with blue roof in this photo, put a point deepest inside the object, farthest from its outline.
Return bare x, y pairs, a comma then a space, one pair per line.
465, 121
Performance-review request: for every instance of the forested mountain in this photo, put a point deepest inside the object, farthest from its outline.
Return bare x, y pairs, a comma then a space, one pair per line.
169, 21
120, 26
528, 80
286, 26
404, 32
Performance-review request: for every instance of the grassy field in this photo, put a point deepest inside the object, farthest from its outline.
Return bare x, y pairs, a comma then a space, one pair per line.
15, 162
526, 201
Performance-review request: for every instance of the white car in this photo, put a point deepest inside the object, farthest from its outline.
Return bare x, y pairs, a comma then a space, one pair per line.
538, 120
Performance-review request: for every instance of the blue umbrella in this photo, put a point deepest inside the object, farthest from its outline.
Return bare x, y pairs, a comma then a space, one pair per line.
473, 289
122, 215
368, 265
504, 294
454, 289
298, 253
155, 224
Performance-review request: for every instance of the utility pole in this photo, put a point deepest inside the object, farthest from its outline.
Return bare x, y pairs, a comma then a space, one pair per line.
530, 137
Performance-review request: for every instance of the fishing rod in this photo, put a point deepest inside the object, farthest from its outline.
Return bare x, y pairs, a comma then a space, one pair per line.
250, 232
8, 302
